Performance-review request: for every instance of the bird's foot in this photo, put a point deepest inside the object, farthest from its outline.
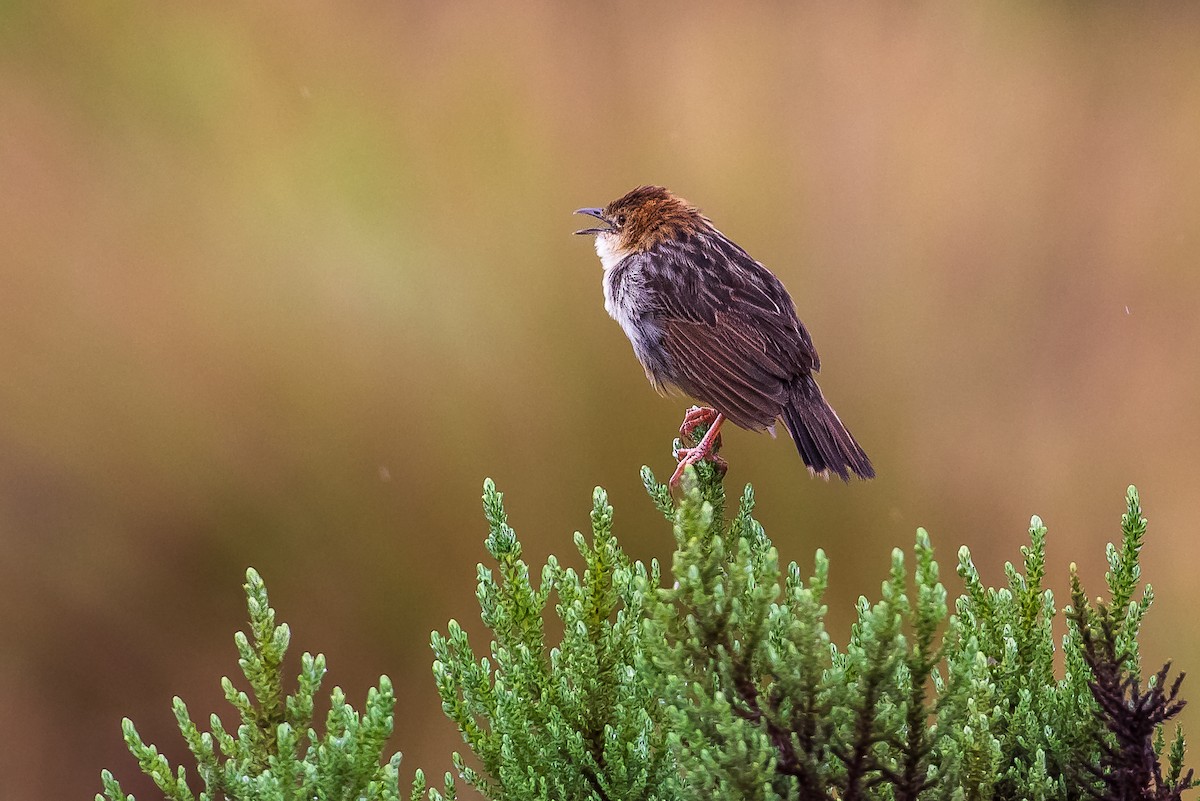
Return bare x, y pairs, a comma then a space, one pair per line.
708, 445
695, 417
687, 456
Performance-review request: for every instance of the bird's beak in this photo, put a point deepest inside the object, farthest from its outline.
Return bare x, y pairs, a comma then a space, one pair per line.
599, 215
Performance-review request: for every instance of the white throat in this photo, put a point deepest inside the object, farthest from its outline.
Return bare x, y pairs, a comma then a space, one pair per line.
606, 249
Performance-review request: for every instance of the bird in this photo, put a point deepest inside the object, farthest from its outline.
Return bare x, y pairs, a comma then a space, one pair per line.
708, 320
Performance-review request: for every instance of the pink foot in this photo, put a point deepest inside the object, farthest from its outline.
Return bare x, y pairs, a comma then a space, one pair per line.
694, 418
704, 449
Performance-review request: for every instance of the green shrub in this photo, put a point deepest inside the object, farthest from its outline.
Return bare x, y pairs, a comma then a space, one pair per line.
722, 682
275, 753
726, 684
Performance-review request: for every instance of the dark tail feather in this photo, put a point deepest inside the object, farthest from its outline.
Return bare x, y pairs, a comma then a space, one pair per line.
824, 443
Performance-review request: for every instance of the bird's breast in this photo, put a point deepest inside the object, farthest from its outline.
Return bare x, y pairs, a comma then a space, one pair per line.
620, 295
623, 300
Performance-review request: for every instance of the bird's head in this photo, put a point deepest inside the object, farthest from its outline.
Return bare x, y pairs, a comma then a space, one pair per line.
639, 220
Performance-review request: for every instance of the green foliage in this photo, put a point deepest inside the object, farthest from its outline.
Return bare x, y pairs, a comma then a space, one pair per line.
1132, 716
275, 752
726, 684
572, 722
1008, 724
763, 705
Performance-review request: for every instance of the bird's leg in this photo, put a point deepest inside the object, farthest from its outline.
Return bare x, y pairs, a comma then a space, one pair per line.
704, 449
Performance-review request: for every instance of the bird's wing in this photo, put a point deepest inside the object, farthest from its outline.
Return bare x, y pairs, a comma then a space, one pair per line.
728, 326
710, 368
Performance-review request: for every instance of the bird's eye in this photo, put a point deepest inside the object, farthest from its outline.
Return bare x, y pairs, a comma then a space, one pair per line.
620, 219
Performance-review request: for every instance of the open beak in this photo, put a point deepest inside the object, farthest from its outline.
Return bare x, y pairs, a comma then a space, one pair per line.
599, 215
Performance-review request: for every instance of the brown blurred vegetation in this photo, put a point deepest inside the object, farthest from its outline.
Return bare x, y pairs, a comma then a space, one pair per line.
282, 282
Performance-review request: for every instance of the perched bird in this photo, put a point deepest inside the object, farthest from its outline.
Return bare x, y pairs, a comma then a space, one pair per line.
707, 319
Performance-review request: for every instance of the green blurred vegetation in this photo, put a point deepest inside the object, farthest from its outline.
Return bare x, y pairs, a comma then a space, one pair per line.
282, 281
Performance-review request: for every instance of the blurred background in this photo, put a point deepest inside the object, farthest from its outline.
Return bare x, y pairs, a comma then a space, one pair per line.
283, 282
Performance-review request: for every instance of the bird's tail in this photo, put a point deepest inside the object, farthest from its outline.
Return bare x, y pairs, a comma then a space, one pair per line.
824, 443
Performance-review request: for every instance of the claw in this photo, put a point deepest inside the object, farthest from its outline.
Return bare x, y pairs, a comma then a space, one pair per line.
685, 456
704, 449
695, 417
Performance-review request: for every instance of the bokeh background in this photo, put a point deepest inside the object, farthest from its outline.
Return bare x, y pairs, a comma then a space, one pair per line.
282, 282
